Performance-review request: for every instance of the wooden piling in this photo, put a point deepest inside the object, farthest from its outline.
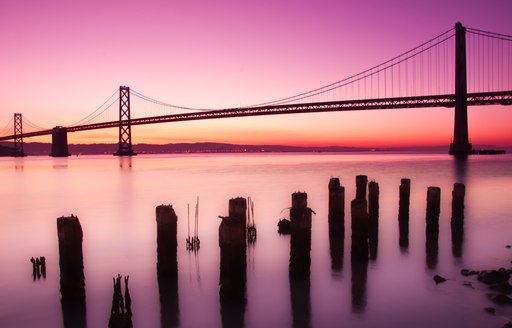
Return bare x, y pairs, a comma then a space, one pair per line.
300, 213
232, 230
336, 204
71, 262
72, 280
361, 182
404, 199
433, 210
359, 248
300, 259
336, 223
166, 224
373, 219
233, 263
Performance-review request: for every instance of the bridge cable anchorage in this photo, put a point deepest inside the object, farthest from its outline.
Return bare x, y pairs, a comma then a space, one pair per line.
88, 118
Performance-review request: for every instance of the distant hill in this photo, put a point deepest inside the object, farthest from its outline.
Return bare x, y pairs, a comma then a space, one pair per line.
37, 148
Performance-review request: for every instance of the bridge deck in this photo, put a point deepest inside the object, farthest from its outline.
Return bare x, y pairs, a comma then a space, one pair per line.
473, 99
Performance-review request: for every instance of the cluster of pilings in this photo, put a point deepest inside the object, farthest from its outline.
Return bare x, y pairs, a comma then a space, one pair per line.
38, 267
121, 311
233, 252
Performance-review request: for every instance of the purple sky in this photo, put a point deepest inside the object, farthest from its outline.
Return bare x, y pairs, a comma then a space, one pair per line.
60, 60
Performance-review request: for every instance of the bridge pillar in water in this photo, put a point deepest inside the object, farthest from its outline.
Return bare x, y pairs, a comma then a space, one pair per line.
460, 145
59, 142
18, 133
125, 127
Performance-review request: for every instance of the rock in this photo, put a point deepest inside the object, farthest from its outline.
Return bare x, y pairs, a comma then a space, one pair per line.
508, 246
467, 272
490, 310
494, 276
502, 299
502, 287
438, 279
284, 227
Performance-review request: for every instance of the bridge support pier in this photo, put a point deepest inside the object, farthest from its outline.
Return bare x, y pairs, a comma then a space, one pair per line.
125, 127
460, 146
18, 133
59, 142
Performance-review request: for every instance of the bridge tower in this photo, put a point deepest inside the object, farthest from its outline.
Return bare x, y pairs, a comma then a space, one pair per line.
460, 145
125, 127
18, 135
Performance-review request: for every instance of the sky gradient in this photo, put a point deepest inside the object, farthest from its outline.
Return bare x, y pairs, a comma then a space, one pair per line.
61, 59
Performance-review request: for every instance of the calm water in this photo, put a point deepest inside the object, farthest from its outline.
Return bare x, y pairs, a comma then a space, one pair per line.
115, 200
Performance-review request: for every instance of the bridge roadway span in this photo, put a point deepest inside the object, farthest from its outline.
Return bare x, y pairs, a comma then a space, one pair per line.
473, 99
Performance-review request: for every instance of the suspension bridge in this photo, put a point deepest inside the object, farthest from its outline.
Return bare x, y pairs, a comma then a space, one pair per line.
459, 68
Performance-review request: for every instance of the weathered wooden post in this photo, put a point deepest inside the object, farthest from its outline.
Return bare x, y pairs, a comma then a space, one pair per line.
336, 204
300, 259
403, 213
432, 229
336, 223
167, 264
166, 239
72, 280
232, 243
361, 182
373, 219
457, 222
359, 254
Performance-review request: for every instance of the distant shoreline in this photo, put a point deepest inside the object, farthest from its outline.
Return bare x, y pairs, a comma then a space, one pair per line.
43, 149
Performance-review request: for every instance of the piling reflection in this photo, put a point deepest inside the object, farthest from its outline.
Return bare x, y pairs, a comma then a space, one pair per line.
233, 264
167, 265
457, 221
432, 226
300, 260
72, 280
373, 219
336, 224
460, 167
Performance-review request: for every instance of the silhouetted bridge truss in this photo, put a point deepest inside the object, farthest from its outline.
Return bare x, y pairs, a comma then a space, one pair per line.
394, 84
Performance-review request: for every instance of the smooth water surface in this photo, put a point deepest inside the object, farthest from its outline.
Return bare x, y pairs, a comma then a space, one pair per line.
115, 200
